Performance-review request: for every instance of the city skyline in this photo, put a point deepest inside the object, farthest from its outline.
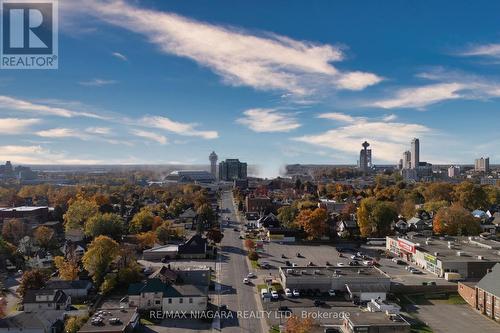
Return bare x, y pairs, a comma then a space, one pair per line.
272, 93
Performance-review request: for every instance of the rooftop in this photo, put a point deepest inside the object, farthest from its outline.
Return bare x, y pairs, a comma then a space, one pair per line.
343, 271
164, 248
22, 208
376, 319
491, 281
459, 249
109, 320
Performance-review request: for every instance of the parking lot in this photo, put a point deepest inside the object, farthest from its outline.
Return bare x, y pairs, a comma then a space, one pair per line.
278, 254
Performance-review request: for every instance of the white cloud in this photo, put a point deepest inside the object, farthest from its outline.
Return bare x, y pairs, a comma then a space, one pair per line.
486, 50
419, 97
62, 133
98, 130
176, 127
39, 155
16, 125
266, 61
15, 104
390, 117
150, 136
338, 117
98, 83
387, 139
268, 120
119, 56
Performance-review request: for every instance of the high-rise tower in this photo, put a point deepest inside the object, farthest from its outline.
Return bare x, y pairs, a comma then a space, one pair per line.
213, 164
415, 153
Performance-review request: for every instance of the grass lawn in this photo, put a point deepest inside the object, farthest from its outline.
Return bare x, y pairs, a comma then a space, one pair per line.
424, 299
80, 306
420, 328
255, 264
144, 321
274, 329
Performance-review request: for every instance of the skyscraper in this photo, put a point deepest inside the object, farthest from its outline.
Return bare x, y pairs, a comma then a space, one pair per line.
232, 169
365, 157
407, 160
415, 153
213, 164
482, 164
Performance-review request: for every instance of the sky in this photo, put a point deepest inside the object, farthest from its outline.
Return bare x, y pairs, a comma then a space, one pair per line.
268, 82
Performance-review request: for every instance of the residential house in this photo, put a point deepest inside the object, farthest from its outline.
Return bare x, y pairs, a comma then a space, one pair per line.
41, 259
186, 297
417, 224
268, 221
190, 275
147, 295
346, 228
401, 226
38, 322
188, 216
260, 204
42, 299
195, 248
74, 289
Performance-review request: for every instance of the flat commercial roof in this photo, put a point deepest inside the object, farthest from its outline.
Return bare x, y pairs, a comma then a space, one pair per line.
376, 319
125, 316
164, 248
470, 250
342, 271
23, 208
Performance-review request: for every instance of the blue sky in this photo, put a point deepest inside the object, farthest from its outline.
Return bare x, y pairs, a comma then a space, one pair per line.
269, 82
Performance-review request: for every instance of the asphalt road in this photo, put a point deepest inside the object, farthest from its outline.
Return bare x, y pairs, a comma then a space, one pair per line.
233, 268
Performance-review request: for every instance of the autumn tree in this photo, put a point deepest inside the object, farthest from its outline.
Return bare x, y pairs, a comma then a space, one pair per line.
107, 224
375, 217
14, 230
408, 209
434, 206
146, 239
73, 324
215, 235
68, 269
142, 221
249, 244
101, 252
205, 214
287, 215
3, 307
44, 236
109, 283
164, 232
78, 213
313, 222
438, 192
294, 324
34, 279
471, 196
456, 220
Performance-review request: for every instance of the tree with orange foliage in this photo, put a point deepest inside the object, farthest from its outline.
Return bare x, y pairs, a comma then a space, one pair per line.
455, 220
68, 269
146, 239
313, 222
295, 324
249, 244
44, 236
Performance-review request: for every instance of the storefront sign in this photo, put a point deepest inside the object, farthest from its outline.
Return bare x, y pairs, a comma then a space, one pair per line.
430, 259
406, 246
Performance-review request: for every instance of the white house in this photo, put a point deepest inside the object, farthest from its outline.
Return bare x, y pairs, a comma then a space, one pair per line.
40, 300
186, 297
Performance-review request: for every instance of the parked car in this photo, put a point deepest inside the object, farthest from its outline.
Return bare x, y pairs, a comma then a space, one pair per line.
331, 292
331, 330
353, 263
288, 263
341, 264
250, 275
274, 294
310, 263
288, 292
246, 281
294, 264
415, 271
295, 293
368, 262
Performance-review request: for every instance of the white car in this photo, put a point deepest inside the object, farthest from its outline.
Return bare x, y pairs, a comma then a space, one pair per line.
288, 292
294, 264
250, 275
368, 262
246, 281
341, 264
295, 293
331, 292
274, 294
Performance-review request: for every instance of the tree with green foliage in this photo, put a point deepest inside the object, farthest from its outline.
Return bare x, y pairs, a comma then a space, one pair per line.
471, 196
375, 217
107, 224
142, 221
79, 211
434, 206
109, 283
287, 215
100, 254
